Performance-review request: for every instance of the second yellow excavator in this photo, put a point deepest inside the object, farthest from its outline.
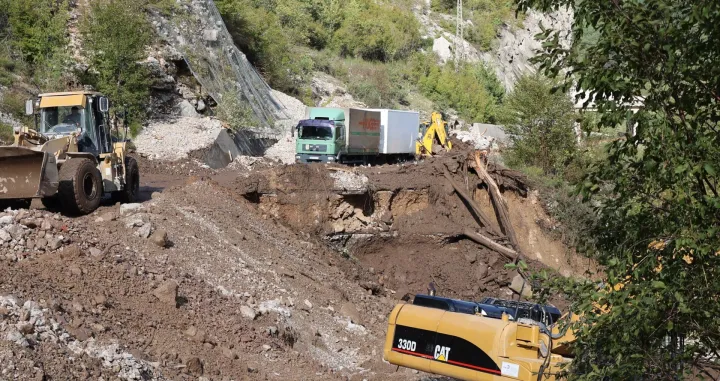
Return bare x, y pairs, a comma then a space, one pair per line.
435, 137
490, 340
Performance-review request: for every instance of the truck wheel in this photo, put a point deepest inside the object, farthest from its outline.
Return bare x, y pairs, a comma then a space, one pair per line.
132, 183
80, 186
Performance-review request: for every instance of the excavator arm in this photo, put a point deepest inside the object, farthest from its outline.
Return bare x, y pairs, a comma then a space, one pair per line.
436, 133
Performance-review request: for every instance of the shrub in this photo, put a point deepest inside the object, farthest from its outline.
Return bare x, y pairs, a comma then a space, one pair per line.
487, 17
258, 33
6, 133
376, 32
473, 90
37, 27
236, 113
116, 33
540, 125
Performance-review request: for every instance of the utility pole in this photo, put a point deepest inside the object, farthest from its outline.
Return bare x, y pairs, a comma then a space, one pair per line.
459, 36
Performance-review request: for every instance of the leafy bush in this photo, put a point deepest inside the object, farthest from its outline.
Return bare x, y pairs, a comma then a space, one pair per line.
235, 113
116, 33
473, 90
487, 17
540, 125
6, 133
258, 33
657, 195
377, 32
37, 27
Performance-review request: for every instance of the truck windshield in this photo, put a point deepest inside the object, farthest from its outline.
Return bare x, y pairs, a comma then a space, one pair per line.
316, 132
61, 120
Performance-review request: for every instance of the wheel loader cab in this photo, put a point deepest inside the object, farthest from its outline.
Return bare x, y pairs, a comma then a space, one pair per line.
70, 159
62, 114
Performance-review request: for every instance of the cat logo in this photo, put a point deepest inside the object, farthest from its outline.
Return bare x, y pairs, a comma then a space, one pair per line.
442, 353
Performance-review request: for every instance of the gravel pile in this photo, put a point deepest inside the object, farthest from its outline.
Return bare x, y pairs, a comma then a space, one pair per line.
29, 326
174, 139
26, 233
284, 150
477, 140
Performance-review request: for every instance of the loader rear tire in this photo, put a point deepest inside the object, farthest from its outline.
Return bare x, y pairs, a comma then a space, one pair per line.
80, 188
132, 183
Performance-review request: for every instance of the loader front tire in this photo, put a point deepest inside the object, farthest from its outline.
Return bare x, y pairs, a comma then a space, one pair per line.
131, 192
80, 188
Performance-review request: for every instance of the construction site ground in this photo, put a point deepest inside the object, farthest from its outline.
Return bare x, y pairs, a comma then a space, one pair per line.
253, 272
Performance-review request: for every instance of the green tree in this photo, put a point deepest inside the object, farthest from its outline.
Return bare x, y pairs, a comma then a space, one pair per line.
116, 33
656, 195
540, 125
36, 32
473, 90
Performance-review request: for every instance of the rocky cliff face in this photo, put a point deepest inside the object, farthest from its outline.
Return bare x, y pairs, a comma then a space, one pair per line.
515, 48
510, 58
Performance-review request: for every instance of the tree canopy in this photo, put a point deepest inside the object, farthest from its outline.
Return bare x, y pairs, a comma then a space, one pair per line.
656, 195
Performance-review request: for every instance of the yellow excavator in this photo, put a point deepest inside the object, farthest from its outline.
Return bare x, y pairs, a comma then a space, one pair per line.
70, 159
490, 340
435, 137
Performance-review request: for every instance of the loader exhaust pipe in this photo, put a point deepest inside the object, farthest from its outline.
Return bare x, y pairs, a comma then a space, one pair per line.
25, 173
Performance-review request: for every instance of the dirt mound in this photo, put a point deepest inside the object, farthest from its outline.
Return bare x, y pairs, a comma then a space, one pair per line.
406, 222
277, 273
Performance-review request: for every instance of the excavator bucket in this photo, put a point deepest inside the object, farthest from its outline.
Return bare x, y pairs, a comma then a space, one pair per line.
26, 173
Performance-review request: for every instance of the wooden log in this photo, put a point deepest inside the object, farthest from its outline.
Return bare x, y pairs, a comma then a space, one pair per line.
480, 217
501, 209
492, 245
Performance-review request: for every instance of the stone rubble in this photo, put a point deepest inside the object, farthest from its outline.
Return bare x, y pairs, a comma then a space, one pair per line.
26, 233
27, 325
174, 139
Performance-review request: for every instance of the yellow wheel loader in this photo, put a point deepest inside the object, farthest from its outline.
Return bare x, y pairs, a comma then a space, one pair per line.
490, 340
435, 137
71, 159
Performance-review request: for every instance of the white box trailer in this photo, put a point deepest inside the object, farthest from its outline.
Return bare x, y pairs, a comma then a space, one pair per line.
398, 131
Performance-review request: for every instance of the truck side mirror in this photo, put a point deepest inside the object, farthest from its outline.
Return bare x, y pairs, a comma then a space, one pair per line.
103, 104
29, 109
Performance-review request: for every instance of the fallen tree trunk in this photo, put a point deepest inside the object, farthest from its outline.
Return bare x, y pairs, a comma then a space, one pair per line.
492, 245
501, 209
483, 220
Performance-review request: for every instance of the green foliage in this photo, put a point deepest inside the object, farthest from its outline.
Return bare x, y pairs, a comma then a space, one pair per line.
116, 33
235, 113
37, 27
539, 125
6, 133
269, 31
487, 17
656, 195
257, 31
377, 32
473, 90
36, 34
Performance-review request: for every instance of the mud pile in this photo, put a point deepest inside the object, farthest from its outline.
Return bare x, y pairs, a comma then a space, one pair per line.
404, 223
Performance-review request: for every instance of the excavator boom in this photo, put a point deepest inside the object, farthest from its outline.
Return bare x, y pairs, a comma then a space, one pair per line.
435, 136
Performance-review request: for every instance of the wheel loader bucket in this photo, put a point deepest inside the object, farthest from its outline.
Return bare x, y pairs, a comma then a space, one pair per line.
25, 173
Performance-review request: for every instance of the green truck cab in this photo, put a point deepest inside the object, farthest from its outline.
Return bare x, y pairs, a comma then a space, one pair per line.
320, 137
359, 136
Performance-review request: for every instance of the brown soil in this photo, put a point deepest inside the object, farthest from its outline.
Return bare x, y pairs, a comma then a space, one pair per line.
289, 243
